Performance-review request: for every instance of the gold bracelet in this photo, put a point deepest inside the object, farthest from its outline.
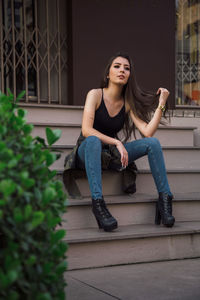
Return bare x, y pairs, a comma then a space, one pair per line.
162, 107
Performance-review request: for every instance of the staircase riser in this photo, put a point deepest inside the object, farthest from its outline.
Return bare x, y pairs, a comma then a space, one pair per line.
174, 159
127, 214
69, 135
54, 115
175, 137
180, 182
166, 137
88, 255
72, 114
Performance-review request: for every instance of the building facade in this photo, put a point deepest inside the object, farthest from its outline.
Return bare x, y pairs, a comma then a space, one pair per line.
56, 50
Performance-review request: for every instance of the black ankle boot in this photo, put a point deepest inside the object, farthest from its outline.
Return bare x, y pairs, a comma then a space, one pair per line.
164, 210
104, 219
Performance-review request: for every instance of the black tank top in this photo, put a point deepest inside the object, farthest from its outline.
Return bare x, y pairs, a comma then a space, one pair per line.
106, 124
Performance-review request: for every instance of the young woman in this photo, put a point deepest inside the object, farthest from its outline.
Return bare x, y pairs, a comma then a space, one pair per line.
120, 103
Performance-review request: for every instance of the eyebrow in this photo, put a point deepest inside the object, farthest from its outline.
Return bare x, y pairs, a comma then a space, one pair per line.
117, 63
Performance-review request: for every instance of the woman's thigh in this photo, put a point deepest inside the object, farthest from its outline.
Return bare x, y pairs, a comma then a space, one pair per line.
91, 145
139, 148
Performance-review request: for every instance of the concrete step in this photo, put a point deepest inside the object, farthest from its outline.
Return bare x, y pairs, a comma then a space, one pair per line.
175, 135
64, 114
92, 247
181, 181
131, 209
70, 132
167, 135
175, 157
189, 120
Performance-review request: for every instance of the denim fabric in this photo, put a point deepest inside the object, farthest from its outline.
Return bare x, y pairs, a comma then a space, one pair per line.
89, 157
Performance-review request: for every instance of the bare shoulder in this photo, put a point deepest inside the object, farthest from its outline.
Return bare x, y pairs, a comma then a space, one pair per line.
95, 92
94, 97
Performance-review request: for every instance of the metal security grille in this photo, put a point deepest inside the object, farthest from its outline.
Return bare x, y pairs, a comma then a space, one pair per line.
188, 52
33, 49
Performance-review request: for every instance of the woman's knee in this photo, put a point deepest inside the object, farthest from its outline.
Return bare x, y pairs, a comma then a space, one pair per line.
93, 142
154, 142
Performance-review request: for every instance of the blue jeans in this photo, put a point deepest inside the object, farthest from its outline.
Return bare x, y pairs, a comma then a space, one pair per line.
89, 157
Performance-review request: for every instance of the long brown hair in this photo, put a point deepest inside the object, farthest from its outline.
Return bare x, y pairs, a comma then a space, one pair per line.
141, 102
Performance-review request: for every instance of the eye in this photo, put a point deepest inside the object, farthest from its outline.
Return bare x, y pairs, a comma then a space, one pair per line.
127, 69
116, 66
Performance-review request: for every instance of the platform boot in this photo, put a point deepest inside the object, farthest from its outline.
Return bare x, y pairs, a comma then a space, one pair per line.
164, 210
104, 218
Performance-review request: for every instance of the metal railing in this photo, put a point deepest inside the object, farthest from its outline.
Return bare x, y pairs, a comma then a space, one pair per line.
33, 49
188, 52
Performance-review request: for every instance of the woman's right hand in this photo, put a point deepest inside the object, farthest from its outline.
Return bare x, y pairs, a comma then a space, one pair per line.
123, 153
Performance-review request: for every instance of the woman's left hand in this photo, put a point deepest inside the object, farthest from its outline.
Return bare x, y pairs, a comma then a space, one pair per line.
164, 94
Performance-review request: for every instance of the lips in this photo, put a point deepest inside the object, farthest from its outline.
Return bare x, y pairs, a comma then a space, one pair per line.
121, 76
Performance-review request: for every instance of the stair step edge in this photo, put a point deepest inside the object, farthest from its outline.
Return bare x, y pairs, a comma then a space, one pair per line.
131, 232
146, 171
134, 199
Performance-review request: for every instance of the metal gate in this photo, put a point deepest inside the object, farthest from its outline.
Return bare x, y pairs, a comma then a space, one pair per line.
33, 49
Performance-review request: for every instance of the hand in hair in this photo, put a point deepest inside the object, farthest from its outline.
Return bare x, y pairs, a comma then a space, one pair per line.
164, 94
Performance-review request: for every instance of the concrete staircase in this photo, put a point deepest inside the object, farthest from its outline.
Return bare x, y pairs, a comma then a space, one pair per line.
137, 239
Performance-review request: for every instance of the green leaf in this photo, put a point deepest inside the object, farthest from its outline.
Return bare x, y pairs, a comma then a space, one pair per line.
27, 128
57, 236
21, 113
52, 174
18, 216
3, 202
50, 158
31, 260
12, 163
52, 135
48, 195
7, 187
4, 282
12, 276
1, 214
2, 146
61, 268
41, 141
2, 166
24, 175
3, 129
37, 219
20, 96
44, 296
27, 211
28, 182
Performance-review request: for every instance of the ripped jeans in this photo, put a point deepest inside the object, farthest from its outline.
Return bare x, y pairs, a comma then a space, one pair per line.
89, 157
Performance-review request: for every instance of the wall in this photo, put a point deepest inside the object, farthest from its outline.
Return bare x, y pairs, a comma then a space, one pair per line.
143, 28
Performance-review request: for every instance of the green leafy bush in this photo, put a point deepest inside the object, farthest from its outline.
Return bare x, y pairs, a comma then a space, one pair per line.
32, 201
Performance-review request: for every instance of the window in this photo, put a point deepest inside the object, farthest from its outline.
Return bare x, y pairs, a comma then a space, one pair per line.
33, 49
188, 52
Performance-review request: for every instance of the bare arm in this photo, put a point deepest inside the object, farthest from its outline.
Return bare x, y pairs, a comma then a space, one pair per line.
91, 104
149, 129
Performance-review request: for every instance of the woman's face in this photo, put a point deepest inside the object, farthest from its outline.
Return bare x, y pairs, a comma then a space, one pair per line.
119, 71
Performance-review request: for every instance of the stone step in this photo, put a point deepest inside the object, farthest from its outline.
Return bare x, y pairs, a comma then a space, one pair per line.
131, 209
175, 157
40, 113
167, 135
91, 247
71, 113
181, 181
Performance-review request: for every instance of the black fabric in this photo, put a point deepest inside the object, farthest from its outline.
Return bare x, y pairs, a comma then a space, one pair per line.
108, 125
